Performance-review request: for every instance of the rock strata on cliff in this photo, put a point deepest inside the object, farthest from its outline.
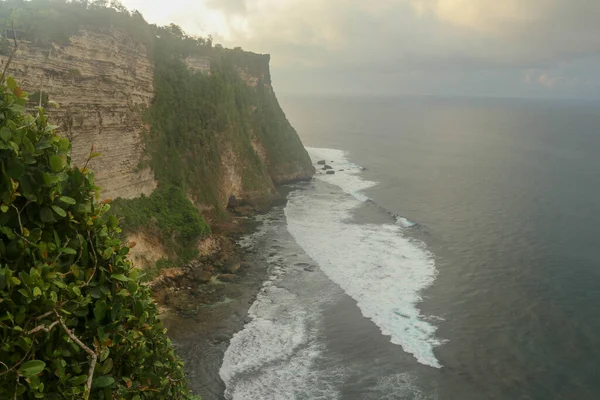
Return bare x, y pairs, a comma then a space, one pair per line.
114, 95
102, 82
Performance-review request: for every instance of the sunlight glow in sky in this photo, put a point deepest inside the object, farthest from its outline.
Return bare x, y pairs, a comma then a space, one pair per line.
532, 48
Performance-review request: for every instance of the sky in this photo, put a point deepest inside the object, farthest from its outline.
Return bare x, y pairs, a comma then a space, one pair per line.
491, 48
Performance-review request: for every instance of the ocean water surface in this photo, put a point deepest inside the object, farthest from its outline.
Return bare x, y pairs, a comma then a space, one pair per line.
452, 255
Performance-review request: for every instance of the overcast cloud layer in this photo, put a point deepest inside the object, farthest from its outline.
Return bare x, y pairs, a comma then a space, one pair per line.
523, 48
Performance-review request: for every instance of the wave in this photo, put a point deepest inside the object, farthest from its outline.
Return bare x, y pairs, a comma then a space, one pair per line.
346, 178
374, 264
277, 354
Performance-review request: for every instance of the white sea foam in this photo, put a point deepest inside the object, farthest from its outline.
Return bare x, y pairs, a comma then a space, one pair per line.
404, 222
376, 265
346, 173
397, 386
276, 356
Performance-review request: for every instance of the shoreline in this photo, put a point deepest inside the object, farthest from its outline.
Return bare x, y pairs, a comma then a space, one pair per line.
217, 310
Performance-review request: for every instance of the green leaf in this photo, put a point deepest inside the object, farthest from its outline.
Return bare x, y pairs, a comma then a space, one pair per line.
120, 277
103, 381
42, 144
11, 83
56, 163
104, 354
4, 208
108, 252
67, 199
35, 234
63, 143
100, 310
32, 367
14, 169
79, 380
5, 134
107, 366
67, 250
94, 155
37, 292
17, 108
59, 283
50, 180
46, 215
7, 231
59, 211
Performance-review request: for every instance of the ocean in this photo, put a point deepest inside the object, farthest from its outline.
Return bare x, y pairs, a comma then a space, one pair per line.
452, 255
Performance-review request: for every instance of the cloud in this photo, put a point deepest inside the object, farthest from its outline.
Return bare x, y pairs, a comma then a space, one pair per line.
402, 45
533, 29
234, 7
502, 33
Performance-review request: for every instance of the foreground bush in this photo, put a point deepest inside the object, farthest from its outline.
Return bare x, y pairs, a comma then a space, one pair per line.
74, 321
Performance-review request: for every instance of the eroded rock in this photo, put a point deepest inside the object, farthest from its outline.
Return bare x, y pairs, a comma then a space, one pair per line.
226, 277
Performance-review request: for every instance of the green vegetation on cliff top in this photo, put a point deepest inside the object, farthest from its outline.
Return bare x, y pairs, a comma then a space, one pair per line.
75, 321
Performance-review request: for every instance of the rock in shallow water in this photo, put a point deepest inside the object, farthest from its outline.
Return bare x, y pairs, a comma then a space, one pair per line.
202, 275
226, 277
232, 266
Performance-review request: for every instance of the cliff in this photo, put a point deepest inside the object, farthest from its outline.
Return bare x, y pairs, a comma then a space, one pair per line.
103, 83
110, 90
220, 132
186, 129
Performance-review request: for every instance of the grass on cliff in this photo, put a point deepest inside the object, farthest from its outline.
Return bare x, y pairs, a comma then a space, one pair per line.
284, 148
168, 212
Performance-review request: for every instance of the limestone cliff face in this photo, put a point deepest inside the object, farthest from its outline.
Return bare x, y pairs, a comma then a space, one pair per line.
102, 82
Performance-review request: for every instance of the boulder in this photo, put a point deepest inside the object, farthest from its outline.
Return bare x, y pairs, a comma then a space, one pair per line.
226, 277
202, 275
330, 172
322, 162
232, 266
326, 167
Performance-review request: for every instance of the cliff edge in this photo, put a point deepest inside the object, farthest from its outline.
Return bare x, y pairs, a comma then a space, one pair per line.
159, 116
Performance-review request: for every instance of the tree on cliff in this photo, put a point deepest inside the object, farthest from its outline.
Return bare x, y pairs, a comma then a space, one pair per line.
75, 322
